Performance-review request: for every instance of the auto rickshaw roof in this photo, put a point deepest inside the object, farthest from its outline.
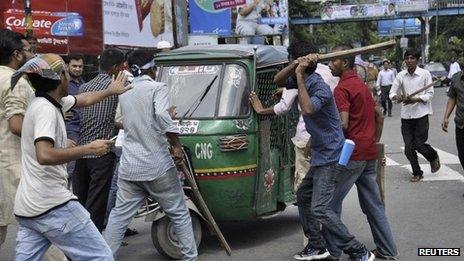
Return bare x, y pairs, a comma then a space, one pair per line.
267, 55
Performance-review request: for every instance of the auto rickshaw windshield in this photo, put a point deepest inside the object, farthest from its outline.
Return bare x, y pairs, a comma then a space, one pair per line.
194, 90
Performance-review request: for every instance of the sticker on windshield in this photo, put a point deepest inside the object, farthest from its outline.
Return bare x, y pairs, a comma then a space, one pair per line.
193, 70
236, 77
188, 126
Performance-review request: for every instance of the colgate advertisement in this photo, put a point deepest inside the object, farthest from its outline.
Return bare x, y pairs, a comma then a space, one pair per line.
46, 23
60, 26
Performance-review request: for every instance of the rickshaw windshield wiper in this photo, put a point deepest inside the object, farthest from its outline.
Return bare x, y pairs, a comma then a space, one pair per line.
199, 99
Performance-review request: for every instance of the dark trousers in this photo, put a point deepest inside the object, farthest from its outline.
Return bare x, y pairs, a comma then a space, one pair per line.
460, 144
74, 136
385, 99
92, 183
415, 134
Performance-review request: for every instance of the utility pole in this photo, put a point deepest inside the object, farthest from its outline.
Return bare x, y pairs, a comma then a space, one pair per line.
427, 36
28, 17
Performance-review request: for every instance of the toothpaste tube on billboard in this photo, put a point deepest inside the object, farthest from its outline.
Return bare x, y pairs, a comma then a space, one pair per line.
46, 23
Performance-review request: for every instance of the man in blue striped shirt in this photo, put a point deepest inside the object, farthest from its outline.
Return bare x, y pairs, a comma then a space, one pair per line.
146, 167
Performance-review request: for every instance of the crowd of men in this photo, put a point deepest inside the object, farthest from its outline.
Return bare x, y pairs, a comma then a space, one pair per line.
56, 130
50, 118
349, 111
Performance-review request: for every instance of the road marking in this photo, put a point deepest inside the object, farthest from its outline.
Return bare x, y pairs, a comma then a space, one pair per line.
391, 162
445, 173
445, 157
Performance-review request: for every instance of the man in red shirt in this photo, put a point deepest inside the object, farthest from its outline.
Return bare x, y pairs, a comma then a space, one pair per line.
362, 122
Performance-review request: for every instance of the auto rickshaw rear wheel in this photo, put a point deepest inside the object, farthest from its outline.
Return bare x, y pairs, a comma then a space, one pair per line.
165, 240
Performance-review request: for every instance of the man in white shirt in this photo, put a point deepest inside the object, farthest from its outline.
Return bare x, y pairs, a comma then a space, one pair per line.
415, 111
247, 19
301, 138
384, 81
454, 68
46, 210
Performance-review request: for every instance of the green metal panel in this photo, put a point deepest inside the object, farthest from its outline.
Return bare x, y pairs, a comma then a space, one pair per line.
226, 178
276, 154
244, 183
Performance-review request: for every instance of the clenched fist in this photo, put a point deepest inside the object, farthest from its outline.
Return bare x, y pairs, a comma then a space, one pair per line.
99, 147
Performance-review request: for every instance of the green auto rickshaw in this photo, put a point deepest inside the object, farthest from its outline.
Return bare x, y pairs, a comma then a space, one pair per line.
243, 163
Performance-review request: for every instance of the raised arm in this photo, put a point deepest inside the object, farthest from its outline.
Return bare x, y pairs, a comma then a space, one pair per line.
303, 97
310, 104
281, 77
246, 10
116, 87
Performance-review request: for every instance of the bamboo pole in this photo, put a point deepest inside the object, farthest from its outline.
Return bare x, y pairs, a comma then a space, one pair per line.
356, 51
204, 208
381, 170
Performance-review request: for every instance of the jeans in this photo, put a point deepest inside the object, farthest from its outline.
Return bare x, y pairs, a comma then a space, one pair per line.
167, 191
415, 134
92, 185
314, 197
69, 228
363, 174
114, 185
460, 144
385, 99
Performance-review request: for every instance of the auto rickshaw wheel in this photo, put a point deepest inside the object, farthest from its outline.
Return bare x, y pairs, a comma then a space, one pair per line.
165, 240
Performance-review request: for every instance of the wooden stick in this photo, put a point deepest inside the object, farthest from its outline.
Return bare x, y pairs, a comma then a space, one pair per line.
356, 51
204, 208
381, 170
424, 88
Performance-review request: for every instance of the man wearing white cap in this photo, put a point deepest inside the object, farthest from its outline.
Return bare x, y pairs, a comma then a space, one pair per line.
163, 46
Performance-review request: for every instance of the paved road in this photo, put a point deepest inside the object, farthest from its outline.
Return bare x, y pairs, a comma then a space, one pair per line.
425, 214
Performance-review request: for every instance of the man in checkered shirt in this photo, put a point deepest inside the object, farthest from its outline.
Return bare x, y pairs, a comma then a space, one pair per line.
93, 180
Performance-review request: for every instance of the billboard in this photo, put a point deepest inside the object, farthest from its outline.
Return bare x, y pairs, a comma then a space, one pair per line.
137, 23
373, 9
181, 22
205, 19
411, 26
242, 17
335, 12
412, 6
61, 26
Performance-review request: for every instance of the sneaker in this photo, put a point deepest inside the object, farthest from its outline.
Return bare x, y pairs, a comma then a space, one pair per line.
382, 256
368, 256
309, 253
435, 165
332, 258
